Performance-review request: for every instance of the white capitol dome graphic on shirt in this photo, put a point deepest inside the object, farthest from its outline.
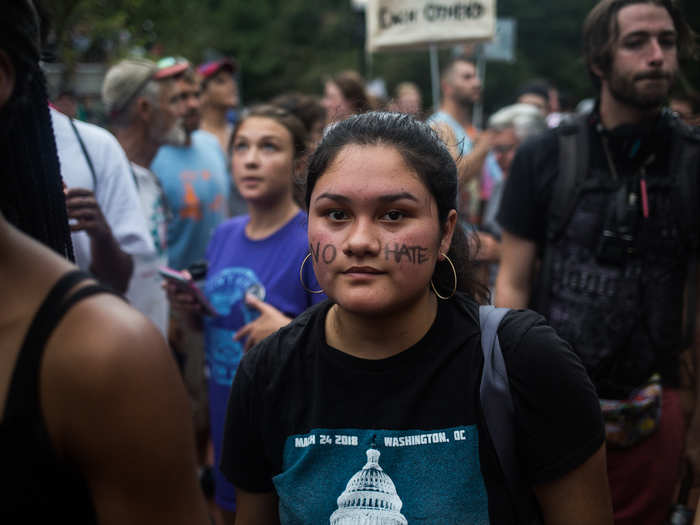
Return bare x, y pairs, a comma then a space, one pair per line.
369, 498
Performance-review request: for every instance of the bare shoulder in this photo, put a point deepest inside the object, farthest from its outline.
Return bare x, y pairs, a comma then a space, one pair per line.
106, 351
104, 355
103, 332
118, 409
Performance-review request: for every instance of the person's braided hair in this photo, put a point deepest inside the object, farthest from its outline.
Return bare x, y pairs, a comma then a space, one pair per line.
31, 189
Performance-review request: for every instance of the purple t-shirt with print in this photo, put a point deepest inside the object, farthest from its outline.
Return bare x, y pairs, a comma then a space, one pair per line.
237, 263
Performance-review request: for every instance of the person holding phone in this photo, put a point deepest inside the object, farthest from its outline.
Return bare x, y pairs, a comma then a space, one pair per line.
252, 257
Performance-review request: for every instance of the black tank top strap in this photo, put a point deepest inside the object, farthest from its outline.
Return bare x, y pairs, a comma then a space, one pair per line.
24, 389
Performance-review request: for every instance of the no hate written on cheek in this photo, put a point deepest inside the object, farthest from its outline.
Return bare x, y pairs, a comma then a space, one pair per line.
396, 252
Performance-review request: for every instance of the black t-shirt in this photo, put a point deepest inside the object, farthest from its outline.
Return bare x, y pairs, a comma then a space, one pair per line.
524, 208
333, 434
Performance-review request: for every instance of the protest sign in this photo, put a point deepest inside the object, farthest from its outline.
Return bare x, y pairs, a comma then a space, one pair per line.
415, 24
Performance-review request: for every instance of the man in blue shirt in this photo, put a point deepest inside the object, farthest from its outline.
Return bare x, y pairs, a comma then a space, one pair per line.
195, 181
461, 89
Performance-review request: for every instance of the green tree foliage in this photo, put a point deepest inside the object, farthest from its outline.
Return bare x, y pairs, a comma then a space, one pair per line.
548, 47
287, 44
284, 45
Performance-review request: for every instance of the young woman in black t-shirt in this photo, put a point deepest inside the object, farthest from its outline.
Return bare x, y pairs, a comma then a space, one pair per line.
389, 366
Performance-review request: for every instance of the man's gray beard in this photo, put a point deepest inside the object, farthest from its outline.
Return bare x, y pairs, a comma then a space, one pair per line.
176, 136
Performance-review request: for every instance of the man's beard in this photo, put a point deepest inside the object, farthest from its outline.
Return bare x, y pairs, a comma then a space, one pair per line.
465, 101
625, 90
190, 122
175, 136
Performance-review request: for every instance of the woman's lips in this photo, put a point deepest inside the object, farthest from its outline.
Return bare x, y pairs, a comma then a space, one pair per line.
363, 270
250, 180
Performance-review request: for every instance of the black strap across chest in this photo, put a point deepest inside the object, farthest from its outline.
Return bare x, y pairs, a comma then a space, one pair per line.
85, 154
23, 394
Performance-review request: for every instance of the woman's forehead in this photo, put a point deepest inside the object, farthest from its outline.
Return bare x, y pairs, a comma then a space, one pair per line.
373, 176
263, 126
369, 166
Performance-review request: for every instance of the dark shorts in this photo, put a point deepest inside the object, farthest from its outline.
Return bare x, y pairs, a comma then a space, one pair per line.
643, 478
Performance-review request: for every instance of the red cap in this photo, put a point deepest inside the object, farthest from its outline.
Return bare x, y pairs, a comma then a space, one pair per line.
213, 67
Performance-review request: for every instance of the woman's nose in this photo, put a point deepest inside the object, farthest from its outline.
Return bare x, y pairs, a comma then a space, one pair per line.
362, 239
251, 157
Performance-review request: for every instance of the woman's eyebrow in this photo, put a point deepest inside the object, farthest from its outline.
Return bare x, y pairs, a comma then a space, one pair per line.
260, 138
332, 196
397, 197
391, 197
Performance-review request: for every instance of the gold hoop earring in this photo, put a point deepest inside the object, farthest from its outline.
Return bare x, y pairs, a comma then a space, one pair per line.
454, 273
301, 277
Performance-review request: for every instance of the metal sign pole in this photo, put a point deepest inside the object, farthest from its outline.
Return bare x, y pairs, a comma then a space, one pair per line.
435, 76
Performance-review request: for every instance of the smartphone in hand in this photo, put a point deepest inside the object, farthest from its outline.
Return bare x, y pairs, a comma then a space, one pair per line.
188, 285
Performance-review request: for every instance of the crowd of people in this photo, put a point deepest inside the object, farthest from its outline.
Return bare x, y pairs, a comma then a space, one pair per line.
278, 313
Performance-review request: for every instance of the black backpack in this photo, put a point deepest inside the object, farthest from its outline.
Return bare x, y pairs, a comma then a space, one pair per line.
573, 169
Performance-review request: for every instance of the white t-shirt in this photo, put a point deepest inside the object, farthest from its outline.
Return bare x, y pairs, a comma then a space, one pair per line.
115, 191
145, 291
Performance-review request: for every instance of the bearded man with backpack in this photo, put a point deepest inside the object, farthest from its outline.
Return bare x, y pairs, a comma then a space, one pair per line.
600, 220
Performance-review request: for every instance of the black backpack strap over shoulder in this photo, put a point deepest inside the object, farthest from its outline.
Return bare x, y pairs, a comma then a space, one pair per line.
499, 412
685, 169
573, 167
494, 391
